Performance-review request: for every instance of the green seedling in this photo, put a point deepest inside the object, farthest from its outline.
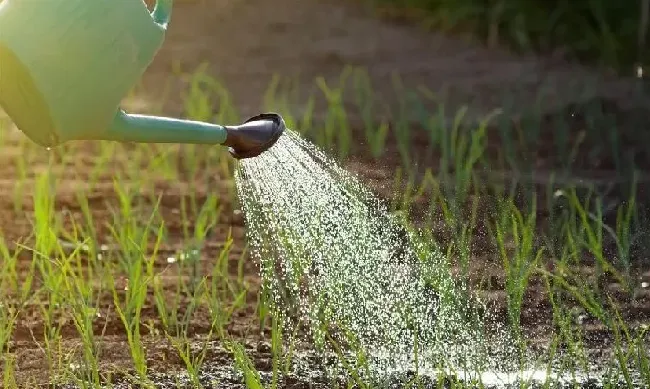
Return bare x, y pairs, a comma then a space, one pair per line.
376, 135
520, 263
337, 130
244, 364
402, 126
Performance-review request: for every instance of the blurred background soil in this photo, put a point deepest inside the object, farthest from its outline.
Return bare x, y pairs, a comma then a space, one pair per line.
245, 42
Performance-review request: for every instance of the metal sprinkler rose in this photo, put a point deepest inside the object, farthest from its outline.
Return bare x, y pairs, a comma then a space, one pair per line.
66, 65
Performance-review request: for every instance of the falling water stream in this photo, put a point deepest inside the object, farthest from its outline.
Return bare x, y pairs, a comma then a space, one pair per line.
332, 256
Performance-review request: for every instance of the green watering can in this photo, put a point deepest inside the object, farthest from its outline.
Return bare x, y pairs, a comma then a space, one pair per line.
66, 65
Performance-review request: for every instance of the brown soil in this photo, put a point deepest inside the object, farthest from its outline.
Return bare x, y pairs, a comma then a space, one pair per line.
244, 43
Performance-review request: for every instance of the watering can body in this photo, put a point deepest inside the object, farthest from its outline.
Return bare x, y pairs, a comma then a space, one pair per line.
65, 65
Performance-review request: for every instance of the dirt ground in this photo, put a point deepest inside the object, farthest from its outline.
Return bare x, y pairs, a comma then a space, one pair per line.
244, 43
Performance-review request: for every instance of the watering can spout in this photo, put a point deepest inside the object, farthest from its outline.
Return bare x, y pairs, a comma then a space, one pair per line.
154, 129
247, 140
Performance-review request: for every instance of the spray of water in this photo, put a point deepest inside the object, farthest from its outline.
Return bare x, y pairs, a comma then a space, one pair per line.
332, 256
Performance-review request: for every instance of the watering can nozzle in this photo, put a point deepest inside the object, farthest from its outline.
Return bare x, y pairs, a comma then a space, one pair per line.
254, 136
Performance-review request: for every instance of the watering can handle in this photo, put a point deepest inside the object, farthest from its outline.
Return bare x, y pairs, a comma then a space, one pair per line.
162, 12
